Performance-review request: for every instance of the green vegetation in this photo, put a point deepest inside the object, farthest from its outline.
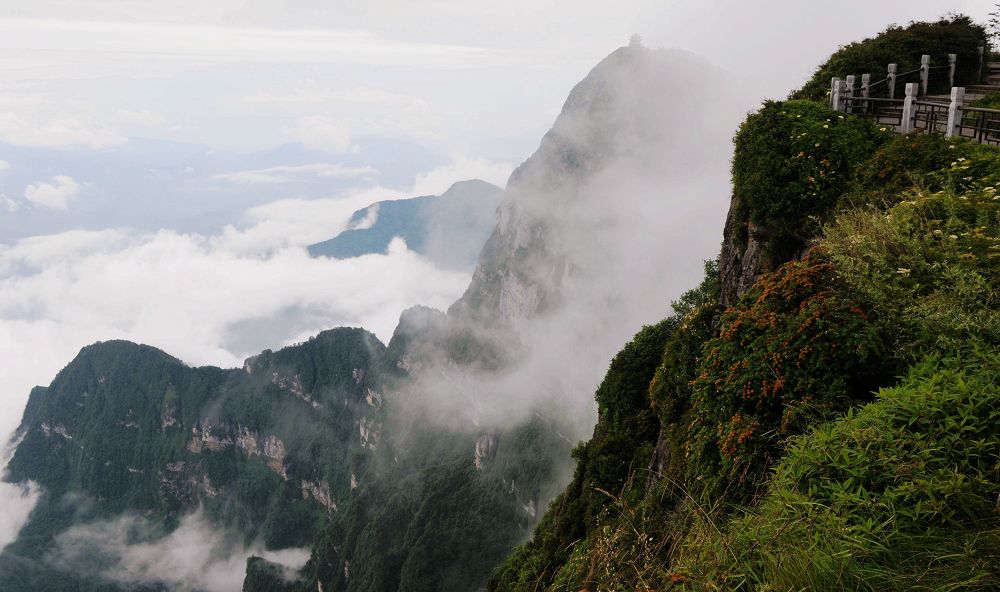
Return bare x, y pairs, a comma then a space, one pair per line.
622, 446
898, 495
793, 160
904, 46
990, 101
776, 466
796, 349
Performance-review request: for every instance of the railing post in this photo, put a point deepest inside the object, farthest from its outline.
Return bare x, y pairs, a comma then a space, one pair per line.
906, 121
955, 112
891, 80
925, 73
952, 58
836, 95
866, 81
980, 51
849, 91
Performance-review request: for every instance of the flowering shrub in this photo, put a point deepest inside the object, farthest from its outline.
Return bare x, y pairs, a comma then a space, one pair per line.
796, 349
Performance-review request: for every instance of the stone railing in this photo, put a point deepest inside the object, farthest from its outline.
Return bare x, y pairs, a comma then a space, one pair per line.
864, 87
952, 118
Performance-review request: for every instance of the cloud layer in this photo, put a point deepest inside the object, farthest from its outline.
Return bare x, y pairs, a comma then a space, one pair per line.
55, 195
196, 556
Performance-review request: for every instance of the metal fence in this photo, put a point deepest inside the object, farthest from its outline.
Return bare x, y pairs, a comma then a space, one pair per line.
982, 125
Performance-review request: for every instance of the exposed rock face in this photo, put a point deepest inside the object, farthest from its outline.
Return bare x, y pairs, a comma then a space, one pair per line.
205, 436
169, 417
748, 251
741, 259
486, 449
211, 437
319, 491
368, 432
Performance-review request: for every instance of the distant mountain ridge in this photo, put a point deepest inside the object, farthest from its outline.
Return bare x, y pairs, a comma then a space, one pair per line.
450, 229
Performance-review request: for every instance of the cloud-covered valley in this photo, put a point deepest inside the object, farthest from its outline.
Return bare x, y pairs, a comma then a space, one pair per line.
208, 299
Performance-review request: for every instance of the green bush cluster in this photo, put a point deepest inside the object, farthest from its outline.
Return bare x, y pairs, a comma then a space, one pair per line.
990, 101
928, 162
899, 495
904, 46
796, 349
928, 265
793, 161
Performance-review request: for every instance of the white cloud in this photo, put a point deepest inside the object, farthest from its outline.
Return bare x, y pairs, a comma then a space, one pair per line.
4, 165
206, 299
461, 168
55, 195
142, 118
336, 115
321, 133
17, 501
199, 297
49, 120
225, 42
196, 556
310, 95
285, 174
9, 204
62, 132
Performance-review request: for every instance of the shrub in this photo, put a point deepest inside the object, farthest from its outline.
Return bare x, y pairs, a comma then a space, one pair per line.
904, 46
990, 101
796, 349
793, 161
900, 495
928, 265
924, 161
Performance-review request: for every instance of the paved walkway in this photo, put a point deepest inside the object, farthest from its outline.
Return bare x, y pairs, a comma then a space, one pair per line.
975, 91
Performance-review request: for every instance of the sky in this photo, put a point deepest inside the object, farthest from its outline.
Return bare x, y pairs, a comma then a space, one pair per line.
163, 163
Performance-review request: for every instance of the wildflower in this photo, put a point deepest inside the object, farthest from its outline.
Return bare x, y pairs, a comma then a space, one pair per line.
840, 117
903, 271
989, 189
826, 126
881, 129
951, 147
938, 233
952, 237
